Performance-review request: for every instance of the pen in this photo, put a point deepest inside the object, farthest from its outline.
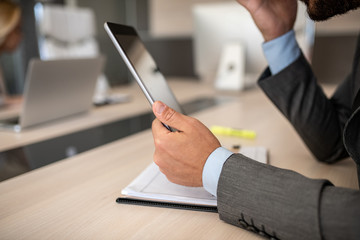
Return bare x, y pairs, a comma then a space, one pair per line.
227, 131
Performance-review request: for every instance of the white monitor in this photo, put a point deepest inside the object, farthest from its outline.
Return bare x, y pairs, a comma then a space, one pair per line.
217, 24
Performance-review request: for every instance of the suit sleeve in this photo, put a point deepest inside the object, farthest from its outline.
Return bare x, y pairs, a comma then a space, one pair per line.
282, 204
317, 119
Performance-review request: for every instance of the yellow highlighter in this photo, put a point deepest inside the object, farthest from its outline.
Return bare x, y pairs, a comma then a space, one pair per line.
227, 131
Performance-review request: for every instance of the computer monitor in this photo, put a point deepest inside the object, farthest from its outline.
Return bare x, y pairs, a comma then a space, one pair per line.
216, 24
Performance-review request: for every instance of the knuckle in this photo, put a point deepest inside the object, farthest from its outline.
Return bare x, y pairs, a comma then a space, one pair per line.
169, 114
158, 143
193, 121
153, 123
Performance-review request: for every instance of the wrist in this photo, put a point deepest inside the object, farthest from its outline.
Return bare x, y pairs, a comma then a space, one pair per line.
271, 35
281, 52
212, 169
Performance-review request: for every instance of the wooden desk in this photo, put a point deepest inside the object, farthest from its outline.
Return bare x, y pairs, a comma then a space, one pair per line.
184, 89
75, 198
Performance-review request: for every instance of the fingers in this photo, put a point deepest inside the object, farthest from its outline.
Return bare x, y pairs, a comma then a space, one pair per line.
164, 139
175, 171
158, 128
168, 115
181, 155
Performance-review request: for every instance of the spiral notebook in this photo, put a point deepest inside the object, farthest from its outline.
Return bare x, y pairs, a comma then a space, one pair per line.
151, 188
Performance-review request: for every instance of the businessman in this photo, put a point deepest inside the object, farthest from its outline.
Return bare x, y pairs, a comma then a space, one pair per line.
282, 204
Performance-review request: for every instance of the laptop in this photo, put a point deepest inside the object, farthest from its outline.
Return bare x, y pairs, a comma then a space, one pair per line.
56, 89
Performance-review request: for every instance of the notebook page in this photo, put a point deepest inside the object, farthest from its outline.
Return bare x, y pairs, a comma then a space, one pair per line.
151, 184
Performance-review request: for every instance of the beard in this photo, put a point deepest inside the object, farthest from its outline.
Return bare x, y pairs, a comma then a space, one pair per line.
320, 10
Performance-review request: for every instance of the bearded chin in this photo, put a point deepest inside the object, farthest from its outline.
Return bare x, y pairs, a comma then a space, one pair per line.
320, 16
321, 10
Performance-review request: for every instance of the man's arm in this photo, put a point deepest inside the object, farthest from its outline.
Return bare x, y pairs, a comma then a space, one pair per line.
280, 53
279, 203
318, 120
262, 198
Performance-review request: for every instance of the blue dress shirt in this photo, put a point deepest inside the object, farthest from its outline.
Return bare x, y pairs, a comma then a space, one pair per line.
279, 53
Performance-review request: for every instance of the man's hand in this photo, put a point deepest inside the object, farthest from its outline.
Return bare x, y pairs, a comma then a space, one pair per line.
181, 155
273, 17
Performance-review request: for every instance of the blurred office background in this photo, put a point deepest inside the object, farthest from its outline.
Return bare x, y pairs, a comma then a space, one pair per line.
184, 36
168, 30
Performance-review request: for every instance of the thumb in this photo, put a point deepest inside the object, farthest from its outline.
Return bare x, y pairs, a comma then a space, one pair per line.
168, 115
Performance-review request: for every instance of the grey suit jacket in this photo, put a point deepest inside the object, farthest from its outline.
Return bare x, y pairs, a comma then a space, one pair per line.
283, 204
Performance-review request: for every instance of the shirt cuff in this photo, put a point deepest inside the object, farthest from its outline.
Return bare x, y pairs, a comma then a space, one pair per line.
212, 169
281, 52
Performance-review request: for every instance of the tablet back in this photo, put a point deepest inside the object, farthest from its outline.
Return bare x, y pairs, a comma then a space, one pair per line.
141, 65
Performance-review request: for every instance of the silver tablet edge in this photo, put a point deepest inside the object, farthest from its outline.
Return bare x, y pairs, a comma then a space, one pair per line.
127, 62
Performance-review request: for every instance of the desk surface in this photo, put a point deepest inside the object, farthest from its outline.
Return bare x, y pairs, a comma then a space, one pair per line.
75, 198
184, 91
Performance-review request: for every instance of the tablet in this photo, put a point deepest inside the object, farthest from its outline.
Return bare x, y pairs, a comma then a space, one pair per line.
141, 65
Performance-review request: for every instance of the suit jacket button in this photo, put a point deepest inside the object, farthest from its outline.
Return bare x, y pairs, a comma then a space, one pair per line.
263, 234
243, 224
251, 228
